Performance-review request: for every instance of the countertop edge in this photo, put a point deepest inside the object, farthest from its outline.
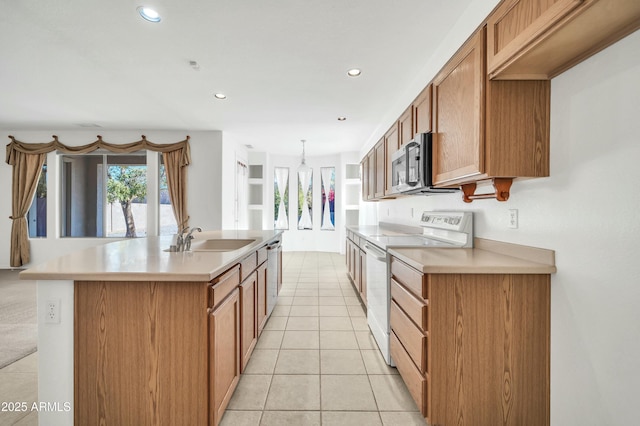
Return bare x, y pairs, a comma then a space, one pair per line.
48, 272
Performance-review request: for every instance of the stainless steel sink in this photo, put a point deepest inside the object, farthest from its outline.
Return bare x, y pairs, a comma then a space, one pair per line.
219, 244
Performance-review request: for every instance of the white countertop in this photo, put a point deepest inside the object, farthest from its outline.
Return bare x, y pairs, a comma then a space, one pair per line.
468, 261
144, 259
487, 256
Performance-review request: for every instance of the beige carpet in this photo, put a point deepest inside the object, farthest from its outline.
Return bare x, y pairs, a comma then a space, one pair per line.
18, 320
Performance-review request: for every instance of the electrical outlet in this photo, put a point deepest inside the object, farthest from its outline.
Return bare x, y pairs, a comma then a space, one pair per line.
513, 218
52, 314
412, 212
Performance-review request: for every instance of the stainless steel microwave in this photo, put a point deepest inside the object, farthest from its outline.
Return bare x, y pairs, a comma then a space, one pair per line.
411, 168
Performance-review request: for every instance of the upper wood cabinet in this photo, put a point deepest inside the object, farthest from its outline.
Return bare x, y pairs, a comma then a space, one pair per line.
458, 114
406, 128
487, 129
539, 39
391, 145
422, 112
364, 172
379, 169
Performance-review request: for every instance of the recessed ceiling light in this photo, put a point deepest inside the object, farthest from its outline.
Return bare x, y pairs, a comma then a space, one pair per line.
220, 96
149, 14
342, 118
354, 72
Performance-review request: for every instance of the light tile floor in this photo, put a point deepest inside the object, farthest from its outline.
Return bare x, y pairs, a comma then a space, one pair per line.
316, 363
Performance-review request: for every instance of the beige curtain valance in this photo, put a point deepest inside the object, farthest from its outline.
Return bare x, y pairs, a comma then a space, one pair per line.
56, 145
27, 160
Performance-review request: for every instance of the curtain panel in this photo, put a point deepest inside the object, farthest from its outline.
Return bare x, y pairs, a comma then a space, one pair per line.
27, 160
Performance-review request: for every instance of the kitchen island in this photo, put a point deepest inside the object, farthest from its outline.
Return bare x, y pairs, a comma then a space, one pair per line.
147, 336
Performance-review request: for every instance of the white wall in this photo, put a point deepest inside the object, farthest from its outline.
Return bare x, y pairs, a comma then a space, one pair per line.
204, 195
585, 211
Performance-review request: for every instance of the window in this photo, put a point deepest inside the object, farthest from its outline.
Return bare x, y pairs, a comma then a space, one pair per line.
167, 219
104, 195
37, 214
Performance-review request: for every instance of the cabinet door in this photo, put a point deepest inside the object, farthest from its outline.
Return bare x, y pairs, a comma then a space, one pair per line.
364, 167
371, 161
380, 169
248, 315
458, 116
357, 272
405, 126
262, 296
391, 145
422, 111
516, 24
224, 350
363, 276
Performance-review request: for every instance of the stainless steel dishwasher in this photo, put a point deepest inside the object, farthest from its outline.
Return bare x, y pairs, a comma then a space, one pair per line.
273, 270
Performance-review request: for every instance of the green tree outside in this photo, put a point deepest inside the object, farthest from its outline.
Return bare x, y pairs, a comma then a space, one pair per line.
124, 185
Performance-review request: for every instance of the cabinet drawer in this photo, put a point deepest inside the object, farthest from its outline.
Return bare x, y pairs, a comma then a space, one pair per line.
248, 265
415, 381
413, 280
415, 308
262, 255
411, 337
223, 285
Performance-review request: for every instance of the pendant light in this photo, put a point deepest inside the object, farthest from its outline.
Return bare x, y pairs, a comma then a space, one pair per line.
303, 165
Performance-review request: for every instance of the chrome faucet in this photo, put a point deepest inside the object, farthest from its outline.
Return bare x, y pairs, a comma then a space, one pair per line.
189, 237
180, 243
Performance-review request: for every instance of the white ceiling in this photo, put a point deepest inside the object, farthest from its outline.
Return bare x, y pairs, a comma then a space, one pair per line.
282, 64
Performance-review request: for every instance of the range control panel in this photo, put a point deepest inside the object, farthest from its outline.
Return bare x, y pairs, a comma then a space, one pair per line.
453, 221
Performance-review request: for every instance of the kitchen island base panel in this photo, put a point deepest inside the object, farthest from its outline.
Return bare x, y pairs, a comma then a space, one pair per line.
140, 352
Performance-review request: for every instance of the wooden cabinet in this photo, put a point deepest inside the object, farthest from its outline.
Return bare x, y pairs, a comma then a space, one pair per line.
140, 352
473, 346
363, 276
364, 172
356, 261
262, 296
406, 128
422, 112
539, 39
487, 129
249, 317
369, 176
225, 353
380, 169
391, 145
458, 115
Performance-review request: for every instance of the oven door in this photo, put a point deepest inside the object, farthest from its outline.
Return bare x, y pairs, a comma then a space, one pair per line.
415, 165
399, 171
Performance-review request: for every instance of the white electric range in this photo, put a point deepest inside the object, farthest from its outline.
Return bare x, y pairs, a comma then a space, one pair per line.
440, 229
